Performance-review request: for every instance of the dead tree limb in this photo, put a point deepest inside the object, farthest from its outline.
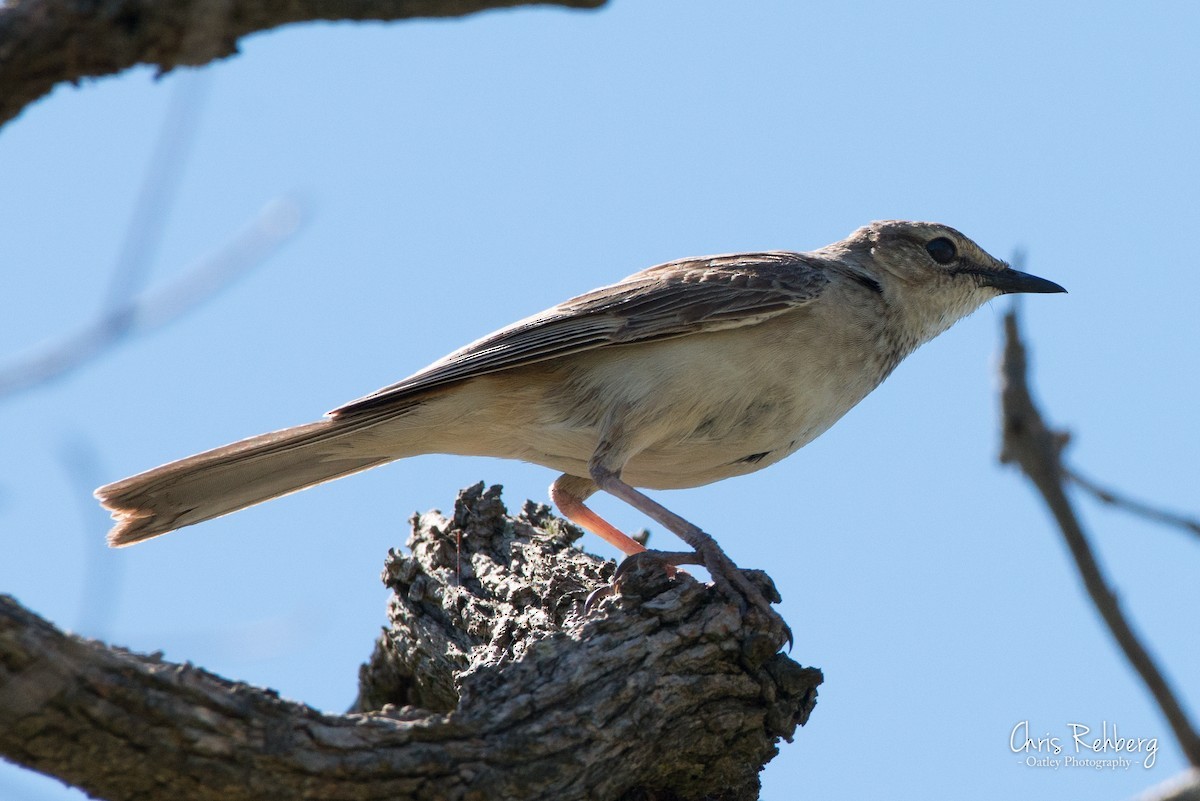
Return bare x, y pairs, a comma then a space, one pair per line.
1133, 506
492, 685
1037, 450
47, 42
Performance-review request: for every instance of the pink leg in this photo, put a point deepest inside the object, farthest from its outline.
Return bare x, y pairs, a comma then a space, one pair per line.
568, 493
724, 572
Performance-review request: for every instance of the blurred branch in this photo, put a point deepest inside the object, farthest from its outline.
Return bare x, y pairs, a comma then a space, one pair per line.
274, 225
1139, 508
123, 314
100, 586
1037, 450
47, 42
160, 187
1184, 787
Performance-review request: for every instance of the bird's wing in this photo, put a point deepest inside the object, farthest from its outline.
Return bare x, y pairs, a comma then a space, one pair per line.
671, 300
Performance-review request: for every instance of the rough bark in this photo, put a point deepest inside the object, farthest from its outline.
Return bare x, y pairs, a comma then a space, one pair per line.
490, 683
47, 42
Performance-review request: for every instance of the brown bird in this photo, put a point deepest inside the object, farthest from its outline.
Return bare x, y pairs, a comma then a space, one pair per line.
677, 376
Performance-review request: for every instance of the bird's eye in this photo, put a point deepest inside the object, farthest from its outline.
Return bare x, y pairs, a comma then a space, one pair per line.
942, 250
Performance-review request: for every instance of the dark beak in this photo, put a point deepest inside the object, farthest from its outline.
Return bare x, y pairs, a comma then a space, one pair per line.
1009, 281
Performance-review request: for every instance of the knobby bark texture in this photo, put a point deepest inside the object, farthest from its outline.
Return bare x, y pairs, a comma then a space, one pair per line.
490, 683
47, 42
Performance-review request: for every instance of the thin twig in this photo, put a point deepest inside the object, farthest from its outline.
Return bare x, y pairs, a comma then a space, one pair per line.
275, 224
100, 585
159, 189
1139, 508
1036, 449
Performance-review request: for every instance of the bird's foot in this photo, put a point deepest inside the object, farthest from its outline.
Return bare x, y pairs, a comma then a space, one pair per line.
733, 582
666, 561
737, 586
726, 575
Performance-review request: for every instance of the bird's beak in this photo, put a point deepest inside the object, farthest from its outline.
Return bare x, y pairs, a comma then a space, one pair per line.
1009, 281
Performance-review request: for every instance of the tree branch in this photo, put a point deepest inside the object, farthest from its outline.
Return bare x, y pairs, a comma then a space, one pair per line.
1133, 506
47, 42
248, 248
1037, 450
658, 694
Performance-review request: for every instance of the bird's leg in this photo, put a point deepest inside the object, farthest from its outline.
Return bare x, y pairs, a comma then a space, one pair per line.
568, 494
726, 575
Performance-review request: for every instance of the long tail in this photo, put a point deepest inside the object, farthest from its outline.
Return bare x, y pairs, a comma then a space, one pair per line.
230, 478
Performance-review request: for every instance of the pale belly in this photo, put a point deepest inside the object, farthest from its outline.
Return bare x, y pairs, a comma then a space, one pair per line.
677, 413
698, 409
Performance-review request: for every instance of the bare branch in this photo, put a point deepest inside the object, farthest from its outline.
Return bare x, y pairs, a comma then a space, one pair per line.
1136, 507
159, 189
47, 42
659, 693
275, 225
100, 585
1184, 787
1036, 449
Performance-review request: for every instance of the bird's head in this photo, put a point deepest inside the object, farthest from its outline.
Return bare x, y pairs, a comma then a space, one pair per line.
933, 274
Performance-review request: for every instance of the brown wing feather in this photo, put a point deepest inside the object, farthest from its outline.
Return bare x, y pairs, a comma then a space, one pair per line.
669, 300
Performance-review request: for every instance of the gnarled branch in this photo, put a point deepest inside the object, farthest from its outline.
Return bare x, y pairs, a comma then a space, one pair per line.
495, 686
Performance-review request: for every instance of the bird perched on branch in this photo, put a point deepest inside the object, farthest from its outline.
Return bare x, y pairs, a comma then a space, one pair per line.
677, 376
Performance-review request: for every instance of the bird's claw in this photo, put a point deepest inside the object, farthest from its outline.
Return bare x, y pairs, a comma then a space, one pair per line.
597, 595
669, 560
663, 560
727, 576
734, 583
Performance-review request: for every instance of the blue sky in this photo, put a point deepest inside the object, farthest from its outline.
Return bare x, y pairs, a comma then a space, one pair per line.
458, 175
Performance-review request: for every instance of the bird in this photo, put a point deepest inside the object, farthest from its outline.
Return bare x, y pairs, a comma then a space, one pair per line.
683, 374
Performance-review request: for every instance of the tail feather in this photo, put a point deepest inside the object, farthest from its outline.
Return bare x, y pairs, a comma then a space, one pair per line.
232, 477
